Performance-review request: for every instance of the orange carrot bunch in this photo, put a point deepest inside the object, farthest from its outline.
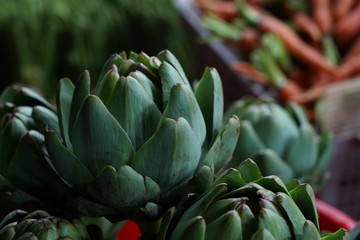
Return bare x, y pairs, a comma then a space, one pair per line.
320, 37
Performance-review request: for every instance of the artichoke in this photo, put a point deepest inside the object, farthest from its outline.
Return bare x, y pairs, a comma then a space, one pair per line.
242, 204
24, 172
281, 142
140, 133
39, 224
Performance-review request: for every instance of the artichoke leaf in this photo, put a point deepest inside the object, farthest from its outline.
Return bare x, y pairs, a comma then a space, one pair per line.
271, 164
167, 56
193, 229
222, 149
252, 113
112, 187
209, 95
250, 188
134, 110
169, 77
201, 181
232, 178
98, 139
287, 122
228, 226
303, 152
199, 207
248, 143
116, 59
274, 132
150, 88
32, 175
263, 234
304, 197
45, 118
165, 222
292, 184
70, 168
127, 67
249, 171
10, 135
297, 113
64, 97
147, 61
236, 108
171, 155
44, 233
106, 86
182, 103
275, 224
272, 183
248, 221
23, 96
310, 231
8, 232
341, 234
82, 89
296, 217
218, 208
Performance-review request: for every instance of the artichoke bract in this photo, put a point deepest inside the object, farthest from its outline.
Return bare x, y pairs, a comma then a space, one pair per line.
242, 204
141, 132
24, 172
39, 224
281, 141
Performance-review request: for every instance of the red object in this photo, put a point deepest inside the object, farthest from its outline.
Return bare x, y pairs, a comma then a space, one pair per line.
330, 219
130, 231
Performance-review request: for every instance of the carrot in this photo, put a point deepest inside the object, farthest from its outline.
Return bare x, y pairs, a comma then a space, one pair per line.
348, 27
201, 3
322, 15
295, 44
348, 69
309, 95
306, 25
353, 52
224, 9
249, 39
320, 77
341, 8
299, 76
286, 92
247, 69
289, 90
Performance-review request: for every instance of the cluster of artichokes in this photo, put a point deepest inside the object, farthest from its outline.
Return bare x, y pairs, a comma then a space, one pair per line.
282, 142
242, 204
142, 144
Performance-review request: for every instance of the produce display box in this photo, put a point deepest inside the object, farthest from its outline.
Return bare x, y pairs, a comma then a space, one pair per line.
343, 188
219, 56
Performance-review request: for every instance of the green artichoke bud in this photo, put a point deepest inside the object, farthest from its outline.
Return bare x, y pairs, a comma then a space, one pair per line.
242, 204
282, 142
24, 172
39, 224
140, 133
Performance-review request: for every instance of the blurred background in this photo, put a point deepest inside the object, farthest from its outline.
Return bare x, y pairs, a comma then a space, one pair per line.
42, 41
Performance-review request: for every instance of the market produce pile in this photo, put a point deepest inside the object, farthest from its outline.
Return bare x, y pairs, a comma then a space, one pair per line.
143, 145
299, 47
